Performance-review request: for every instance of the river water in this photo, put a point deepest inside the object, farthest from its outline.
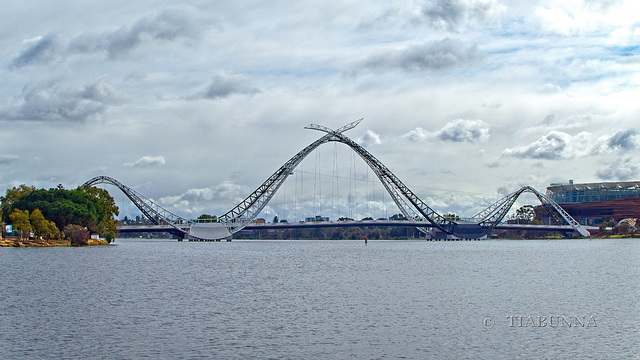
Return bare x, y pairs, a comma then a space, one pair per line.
497, 299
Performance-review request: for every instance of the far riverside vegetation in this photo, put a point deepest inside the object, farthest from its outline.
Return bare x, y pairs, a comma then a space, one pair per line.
58, 216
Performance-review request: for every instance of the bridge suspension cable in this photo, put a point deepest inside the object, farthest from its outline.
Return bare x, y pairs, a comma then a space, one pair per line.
410, 205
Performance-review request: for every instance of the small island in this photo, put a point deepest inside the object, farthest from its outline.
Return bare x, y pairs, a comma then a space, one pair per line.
57, 217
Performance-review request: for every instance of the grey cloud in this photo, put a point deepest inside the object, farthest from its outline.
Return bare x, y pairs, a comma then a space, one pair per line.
445, 14
621, 170
7, 159
459, 130
450, 15
167, 25
434, 55
147, 161
44, 50
101, 92
223, 85
50, 101
464, 131
623, 139
560, 145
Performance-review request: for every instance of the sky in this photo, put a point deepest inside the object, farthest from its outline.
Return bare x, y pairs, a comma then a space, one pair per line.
195, 103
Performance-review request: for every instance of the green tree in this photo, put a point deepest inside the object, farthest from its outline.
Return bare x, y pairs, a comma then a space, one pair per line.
12, 195
20, 220
208, 218
398, 217
526, 214
88, 207
110, 211
42, 227
275, 219
38, 222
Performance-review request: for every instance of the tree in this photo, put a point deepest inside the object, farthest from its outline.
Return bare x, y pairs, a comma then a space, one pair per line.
398, 217
275, 219
526, 213
110, 210
20, 220
38, 222
77, 235
88, 207
208, 218
13, 195
451, 216
624, 228
42, 227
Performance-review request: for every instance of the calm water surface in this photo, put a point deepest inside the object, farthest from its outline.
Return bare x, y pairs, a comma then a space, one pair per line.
323, 300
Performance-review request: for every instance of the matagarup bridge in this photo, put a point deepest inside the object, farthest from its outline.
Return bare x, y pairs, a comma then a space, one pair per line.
410, 205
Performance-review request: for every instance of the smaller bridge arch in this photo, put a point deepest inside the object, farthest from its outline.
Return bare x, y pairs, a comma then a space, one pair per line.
490, 217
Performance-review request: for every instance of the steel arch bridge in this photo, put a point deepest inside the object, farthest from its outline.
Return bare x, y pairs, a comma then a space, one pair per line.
410, 205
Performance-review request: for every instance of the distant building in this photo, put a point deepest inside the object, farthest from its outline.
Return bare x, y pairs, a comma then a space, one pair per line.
317, 218
260, 221
593, 203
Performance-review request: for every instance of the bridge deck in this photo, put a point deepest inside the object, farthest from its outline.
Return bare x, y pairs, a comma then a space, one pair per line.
330, 224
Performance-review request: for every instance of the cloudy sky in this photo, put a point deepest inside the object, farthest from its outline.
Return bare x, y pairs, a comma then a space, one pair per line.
195, 103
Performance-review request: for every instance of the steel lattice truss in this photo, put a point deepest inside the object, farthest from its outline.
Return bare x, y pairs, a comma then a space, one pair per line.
411, 206
154, 212
495, 213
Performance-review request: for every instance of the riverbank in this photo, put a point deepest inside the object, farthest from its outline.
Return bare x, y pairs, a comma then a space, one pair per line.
17, 242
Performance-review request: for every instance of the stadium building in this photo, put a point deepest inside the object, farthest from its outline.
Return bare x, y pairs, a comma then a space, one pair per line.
593, 203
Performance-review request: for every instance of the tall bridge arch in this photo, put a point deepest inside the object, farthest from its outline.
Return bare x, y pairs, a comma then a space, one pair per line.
411, 206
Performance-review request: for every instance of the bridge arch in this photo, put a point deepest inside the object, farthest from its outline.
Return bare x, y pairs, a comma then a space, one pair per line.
495, 213
411, 206
154, 212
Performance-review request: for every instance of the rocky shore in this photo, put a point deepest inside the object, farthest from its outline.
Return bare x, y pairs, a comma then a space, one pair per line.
17, 242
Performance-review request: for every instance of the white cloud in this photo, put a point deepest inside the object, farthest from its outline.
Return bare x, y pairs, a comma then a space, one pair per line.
147, 161
202, 200
460, 130
369, 138
557, 145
